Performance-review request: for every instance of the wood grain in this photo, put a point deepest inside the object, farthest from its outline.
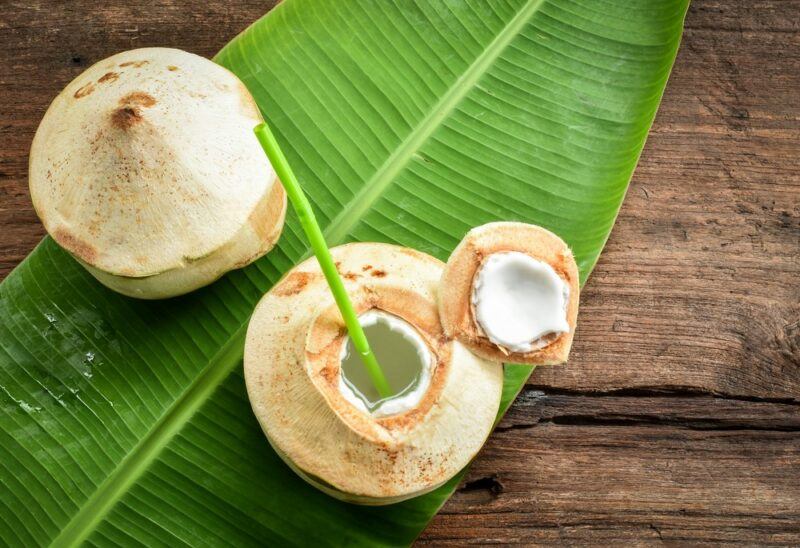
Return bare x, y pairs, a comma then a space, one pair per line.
676, 420
565, 468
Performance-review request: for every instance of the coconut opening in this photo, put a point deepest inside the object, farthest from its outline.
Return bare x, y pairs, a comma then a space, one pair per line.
519, 302
404, 357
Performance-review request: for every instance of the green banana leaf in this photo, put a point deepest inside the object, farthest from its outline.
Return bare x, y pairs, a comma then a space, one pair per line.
126, 422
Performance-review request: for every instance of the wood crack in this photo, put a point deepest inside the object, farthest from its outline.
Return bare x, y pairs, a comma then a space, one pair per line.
490, 483
645, 420
537, 390
655, 408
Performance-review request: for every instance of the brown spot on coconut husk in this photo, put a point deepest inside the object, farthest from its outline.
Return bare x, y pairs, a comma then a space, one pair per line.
172, 68
136, 64
126, 117
108, 77
389, 452
351, 275
378, 273
366, 267
75, 245
139, 99
329, 374
130, 113
84, 91
293, 284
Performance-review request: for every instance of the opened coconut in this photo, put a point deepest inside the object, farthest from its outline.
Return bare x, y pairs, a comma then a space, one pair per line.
146, 169
510, 293
320, 416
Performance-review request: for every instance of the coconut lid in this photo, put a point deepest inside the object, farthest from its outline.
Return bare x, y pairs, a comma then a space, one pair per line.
510, 292
147, 161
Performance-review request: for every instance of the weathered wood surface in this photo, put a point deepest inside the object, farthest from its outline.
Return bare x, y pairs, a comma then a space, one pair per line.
678, 417
567, 468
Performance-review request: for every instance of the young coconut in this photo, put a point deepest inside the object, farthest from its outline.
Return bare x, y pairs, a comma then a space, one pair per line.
510, 293
322, 422
146, 169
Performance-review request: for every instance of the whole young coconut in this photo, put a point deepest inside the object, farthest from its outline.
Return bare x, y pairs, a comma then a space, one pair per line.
510, 293
311, 413
146, 169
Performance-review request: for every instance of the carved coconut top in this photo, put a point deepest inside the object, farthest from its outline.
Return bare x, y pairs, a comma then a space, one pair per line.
456, 302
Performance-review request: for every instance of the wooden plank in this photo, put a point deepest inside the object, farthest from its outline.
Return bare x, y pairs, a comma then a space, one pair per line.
571, 468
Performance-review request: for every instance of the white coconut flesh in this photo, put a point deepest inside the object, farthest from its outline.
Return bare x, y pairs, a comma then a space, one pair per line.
404, 357
518, 300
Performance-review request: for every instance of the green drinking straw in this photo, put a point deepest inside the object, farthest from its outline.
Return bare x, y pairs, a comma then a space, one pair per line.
317, 240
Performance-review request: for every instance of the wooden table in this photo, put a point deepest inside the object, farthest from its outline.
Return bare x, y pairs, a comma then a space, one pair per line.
678, 416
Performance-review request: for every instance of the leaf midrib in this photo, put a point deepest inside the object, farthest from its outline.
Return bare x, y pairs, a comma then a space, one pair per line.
97, 506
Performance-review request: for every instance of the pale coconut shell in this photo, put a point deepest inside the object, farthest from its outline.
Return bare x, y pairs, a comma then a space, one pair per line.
455, 293
147, 170
292, 368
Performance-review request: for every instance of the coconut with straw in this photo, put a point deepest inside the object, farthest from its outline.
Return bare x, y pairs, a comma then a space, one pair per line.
409, 442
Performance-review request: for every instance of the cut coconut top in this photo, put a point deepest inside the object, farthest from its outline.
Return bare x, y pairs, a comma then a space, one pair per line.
510, 293
147, 161
292, 366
